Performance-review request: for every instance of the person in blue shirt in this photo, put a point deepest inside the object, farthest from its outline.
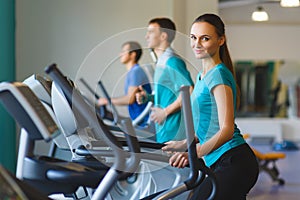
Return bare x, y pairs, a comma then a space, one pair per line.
135, 77
169, 75
215, 99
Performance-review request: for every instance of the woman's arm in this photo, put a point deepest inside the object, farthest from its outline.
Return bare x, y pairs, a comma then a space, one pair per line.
224, 100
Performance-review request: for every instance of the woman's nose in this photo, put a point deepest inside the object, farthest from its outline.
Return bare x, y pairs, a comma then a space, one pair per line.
198, 43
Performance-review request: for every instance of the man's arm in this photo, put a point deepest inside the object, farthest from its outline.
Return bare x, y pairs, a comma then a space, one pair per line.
176, 105
126, 99
159, 115
122, 100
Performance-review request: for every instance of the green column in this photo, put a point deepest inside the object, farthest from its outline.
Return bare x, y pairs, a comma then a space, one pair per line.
7, 73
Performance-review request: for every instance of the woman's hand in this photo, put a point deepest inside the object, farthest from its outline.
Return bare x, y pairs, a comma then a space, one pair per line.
172, 146
179, 160
158, 115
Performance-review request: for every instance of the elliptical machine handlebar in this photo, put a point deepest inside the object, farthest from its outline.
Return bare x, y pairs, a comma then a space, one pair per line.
116, 117
89, 88
196, 164
198, 169
102, 109
80, 107
83, 109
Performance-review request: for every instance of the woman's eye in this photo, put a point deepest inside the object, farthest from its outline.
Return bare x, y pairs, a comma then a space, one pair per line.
193, 37
205, 39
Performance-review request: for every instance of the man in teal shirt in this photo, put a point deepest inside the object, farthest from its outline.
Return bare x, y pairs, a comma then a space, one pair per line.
170, 74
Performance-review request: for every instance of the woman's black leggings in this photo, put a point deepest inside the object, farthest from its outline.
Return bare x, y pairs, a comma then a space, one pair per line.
236, 172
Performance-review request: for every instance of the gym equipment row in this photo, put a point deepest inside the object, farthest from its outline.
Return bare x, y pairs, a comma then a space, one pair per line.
52, 175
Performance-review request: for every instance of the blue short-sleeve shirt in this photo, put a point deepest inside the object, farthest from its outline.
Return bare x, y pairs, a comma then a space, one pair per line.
205, 112
136, 77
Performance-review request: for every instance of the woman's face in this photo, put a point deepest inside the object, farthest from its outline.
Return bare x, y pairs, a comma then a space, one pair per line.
204, 40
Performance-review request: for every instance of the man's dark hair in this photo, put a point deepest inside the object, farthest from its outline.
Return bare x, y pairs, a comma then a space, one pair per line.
135, 47
167, 26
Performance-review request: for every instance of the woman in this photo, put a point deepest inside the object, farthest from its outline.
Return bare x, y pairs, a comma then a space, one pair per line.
214, 102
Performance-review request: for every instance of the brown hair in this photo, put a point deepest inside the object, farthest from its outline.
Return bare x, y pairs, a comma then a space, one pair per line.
166, 25
217, 22
134, 47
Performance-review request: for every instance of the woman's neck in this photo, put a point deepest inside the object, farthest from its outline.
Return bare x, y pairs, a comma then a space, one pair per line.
208, 64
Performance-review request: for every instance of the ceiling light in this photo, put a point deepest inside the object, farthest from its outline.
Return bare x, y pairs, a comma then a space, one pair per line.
260, 15
289, 3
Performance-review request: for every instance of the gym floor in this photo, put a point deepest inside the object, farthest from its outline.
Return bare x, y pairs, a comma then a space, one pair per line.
289, 170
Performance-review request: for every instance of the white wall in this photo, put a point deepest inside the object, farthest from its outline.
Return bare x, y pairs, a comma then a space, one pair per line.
65, 31
84, 37
264, 41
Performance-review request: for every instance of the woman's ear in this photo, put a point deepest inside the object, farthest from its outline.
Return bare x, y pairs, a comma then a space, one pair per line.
222, 40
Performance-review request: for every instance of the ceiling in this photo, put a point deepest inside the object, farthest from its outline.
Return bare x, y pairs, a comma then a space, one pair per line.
237, 3
239, 12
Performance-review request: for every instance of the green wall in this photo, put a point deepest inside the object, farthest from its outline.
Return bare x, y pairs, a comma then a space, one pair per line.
7, 67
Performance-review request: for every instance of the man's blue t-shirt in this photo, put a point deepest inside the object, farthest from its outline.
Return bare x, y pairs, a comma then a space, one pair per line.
136, 77
170, 74
205, 113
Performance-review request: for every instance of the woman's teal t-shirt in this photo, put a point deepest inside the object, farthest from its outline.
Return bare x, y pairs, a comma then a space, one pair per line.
205, 113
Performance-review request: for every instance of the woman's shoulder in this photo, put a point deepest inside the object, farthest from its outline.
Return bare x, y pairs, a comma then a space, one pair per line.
222, 70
